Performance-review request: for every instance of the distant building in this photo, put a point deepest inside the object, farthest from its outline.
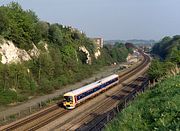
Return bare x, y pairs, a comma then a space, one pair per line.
98, 41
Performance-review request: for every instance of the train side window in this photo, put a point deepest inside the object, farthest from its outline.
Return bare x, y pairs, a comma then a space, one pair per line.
94, 90
78, 97
91, 91
98, 88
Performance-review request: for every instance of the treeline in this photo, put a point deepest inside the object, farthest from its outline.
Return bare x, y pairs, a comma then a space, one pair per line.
168, 61
156, 109
168, 49
61, 64
23, 27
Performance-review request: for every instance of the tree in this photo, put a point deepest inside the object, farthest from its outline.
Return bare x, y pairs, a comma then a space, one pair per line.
55, 35
41, 31
174, 56
168, 49
4, 21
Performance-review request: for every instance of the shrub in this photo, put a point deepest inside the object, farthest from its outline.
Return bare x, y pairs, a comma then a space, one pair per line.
156, 109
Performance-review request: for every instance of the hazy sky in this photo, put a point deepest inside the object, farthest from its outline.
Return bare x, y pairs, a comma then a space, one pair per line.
111, 19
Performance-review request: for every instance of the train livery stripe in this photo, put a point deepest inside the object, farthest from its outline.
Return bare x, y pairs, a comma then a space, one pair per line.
98, 88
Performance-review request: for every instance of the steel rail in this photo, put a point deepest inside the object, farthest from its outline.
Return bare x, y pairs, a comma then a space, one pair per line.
107, 101
55, 107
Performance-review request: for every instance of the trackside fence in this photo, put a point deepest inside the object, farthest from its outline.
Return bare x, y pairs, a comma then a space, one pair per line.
27, 111
100, 122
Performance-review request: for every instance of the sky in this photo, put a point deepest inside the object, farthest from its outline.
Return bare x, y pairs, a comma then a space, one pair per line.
111, 19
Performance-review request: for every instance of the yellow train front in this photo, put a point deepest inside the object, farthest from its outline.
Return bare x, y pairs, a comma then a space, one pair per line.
71, 99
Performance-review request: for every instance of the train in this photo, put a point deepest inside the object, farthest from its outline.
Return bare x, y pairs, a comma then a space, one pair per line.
77, 96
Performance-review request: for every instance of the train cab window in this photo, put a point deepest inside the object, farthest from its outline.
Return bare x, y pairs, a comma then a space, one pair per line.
68, 98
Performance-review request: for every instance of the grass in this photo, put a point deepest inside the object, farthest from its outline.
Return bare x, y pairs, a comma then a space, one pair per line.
156, 109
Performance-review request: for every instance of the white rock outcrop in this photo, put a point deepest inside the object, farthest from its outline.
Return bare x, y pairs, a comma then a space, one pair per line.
83, 49
97, 54
46, 47
34, 51
11, 54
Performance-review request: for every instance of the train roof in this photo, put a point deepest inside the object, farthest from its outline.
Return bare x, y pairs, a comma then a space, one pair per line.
92, 85
108, 78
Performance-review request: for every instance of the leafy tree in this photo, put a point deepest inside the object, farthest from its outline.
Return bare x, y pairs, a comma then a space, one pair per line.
166, 46
82, 57
4, 21
41, 31
174, 56
159, 70
59, 64
156, 70
169, 51
119, 53
55, 35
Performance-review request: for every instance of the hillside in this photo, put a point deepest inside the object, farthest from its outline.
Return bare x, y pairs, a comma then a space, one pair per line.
156, 109
38, 57
168, 48
167, 61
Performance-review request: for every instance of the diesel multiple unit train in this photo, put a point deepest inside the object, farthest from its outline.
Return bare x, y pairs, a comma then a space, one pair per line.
72, 98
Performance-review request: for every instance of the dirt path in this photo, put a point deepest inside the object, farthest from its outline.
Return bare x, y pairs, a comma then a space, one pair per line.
32, 102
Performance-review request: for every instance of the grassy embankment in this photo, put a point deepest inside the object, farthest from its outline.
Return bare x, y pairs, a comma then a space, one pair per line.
156, 109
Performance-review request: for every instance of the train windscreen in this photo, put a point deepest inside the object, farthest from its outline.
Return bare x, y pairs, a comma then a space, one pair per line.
68, 98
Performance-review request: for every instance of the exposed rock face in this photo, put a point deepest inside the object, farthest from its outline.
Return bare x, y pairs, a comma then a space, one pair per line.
83, 49
97, 54
11, 54
34, 51
46, 47
99, 44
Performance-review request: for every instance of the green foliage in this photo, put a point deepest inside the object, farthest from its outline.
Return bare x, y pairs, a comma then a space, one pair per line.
159, 70
82, 57
15, 76
169, 51
156, 109
117, 53
174, 55
55, 34
168, 48
60, 64
18, 25
7, 96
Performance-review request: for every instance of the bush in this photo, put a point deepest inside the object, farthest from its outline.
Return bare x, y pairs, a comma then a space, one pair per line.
161, 69
156, 109
59, 64
7, 97
168, 49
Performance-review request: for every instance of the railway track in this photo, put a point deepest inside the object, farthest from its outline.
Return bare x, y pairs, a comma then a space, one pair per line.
97, 123
103, 107
28, 121
48, 115
97, 110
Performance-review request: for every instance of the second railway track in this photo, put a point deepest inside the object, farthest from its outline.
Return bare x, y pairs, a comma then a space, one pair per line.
46, 116
102, 107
